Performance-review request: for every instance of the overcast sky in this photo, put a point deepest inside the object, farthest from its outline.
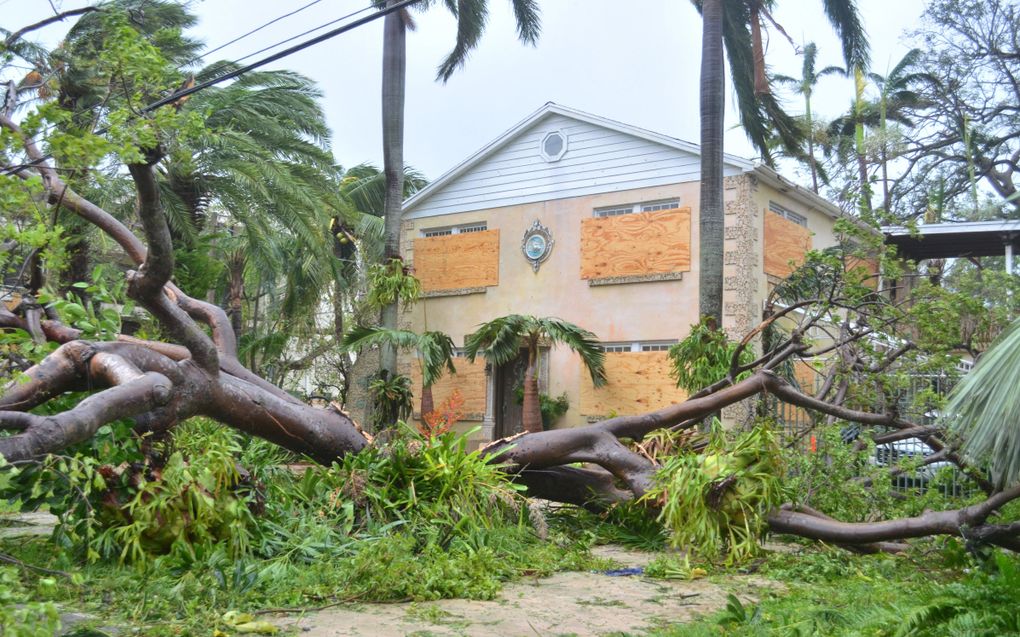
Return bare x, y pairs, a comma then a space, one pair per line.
636, 61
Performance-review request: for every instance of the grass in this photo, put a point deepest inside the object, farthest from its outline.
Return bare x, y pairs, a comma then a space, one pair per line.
828, 592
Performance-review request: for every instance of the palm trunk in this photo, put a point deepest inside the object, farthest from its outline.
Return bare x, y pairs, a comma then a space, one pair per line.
886, 197
394, 67
532, 409
862, 160
761, 81
711, 221
810, 141
235, 294
427, 402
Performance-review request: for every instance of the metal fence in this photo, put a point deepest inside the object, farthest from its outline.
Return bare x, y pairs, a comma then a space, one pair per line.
796, 430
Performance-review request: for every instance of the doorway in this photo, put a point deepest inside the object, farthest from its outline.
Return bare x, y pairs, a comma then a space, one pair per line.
509, 414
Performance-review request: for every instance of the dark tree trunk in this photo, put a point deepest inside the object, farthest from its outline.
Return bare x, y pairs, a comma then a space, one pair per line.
393, 75
711, 214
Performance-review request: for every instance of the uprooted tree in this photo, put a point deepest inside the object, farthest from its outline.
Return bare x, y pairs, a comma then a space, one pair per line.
835, 320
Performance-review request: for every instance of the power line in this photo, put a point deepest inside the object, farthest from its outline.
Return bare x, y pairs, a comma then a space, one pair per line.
281, 42
252, 32
248, 68
227, 64
279, 55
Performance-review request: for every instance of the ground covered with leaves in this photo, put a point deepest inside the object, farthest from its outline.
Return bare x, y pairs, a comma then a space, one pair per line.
224, 535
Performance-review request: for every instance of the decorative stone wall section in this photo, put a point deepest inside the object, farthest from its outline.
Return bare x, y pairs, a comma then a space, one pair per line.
742, 247
742, 256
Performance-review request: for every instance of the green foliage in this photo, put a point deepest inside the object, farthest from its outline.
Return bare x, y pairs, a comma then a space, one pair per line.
832, 594
391, 283
192, 504
436, 479
500, 341
391, 400
21, 613
552, 408
101, 318
704, 357
435, 349
715, 503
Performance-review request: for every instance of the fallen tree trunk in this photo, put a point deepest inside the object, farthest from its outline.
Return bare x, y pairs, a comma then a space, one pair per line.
161, 384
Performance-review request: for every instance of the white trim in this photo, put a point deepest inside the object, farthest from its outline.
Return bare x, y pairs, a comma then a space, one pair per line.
777, 208
628, 347
549, 108
563, 146
997, 225
632, 208
445, 231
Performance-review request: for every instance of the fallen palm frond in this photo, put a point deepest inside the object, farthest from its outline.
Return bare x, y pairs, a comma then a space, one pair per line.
984, 409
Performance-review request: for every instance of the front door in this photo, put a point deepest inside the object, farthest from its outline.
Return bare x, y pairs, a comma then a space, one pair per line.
509, 412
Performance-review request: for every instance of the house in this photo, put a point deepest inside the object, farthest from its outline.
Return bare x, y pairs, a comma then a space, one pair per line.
574, 215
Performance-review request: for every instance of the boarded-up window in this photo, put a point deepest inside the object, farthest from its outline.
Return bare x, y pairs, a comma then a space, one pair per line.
785, 242
637, 244
458, 261
638, 382
469, 379
865, 270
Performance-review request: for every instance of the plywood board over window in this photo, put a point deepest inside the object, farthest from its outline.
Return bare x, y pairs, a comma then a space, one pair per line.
785, 242
458, 261
638, 382
469, 380
642, 243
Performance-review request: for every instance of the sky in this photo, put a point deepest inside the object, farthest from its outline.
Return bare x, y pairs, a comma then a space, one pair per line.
636, 61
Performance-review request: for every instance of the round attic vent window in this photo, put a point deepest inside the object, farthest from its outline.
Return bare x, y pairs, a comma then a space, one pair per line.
554, 145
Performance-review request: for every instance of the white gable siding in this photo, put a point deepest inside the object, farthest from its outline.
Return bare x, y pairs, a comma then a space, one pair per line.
597, 160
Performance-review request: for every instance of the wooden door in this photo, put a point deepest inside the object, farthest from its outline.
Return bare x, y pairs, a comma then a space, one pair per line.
510, 413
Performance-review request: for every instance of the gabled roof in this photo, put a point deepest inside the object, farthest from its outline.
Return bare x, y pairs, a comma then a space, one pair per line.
734, 162
551, 108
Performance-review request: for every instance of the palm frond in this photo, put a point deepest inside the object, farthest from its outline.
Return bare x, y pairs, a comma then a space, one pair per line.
499, 340
471, 18
436, 351
580, 340
984, 409
846, 21
369, 336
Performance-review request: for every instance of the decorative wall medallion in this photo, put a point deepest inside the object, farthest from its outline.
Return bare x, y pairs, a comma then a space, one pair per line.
537, 244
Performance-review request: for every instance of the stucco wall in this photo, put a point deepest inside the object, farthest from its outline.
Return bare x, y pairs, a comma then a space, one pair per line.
647, 311
656, 310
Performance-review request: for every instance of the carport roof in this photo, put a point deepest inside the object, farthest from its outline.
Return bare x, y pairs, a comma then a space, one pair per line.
949, 240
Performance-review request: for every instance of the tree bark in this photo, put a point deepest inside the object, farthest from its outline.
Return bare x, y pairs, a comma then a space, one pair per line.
393, 82
427, 401
711, 213
532, 407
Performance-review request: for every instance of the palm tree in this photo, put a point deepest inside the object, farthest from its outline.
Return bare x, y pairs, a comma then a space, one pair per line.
896, 103
471, 17
435, 353
736, 24
895, 92
500, 341
805, 86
